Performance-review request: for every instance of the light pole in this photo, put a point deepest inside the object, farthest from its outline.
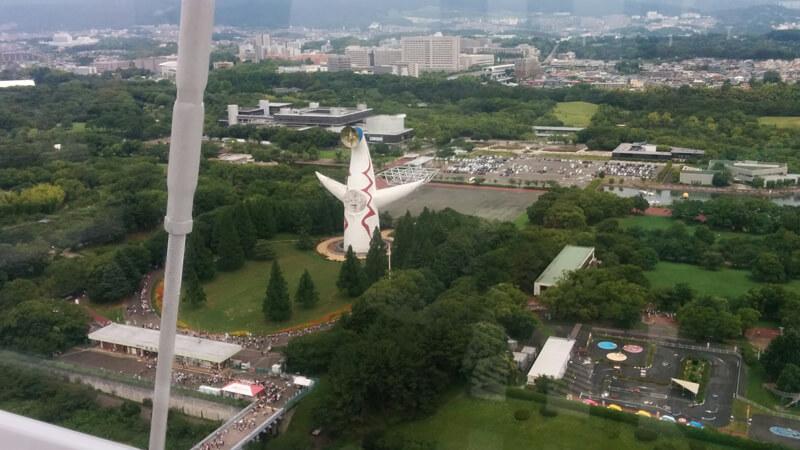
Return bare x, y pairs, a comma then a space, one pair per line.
194, 49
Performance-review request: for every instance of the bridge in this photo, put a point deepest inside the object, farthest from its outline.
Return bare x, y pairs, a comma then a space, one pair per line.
248, 424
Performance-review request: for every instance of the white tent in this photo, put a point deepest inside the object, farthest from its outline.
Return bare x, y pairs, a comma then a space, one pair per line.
694, 388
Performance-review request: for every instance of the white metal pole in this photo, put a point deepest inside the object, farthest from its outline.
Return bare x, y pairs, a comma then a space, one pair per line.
194, 49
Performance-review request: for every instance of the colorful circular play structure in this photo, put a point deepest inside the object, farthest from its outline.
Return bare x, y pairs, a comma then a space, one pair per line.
785, 432
607, 345
617, 356
630, 348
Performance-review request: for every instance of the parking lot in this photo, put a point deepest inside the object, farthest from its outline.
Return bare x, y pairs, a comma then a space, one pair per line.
522, 170
633, 384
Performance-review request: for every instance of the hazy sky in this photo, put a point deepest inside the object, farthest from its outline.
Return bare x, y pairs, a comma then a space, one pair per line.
76, 14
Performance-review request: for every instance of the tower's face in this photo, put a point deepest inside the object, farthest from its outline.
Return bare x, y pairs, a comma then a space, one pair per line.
354, 201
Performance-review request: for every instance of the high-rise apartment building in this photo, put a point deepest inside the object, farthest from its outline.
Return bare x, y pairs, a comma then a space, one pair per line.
360, 57
339, 63
526, 68
432, 53
387, 56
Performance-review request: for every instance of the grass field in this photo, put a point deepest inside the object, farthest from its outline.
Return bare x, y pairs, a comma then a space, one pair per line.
522, 220
662, 223
234, 298
113, 311
724, 282
575, 114
469, 423
780, 122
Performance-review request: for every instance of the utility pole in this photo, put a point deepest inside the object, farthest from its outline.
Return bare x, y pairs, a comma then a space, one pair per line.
194, 50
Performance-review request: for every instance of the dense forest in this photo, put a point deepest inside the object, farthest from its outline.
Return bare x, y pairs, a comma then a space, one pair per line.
773, 45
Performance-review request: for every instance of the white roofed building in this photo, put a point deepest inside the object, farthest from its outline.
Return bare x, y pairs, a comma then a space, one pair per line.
553, 359
138, 341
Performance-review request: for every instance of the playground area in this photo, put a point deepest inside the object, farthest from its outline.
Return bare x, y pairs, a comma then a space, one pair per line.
683, 382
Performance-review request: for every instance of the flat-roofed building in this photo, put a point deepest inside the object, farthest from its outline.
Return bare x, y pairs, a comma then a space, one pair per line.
570, 258
385, 56
526, 68
697, 177
467, 60
544, 131
139, 341
498, 72
360, 57
553, 360
432, 53
643, 150
387, 129
746, 171
339, 63
323, 116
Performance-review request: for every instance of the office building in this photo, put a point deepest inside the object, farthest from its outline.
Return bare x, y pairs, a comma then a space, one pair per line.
339, 63
432, 53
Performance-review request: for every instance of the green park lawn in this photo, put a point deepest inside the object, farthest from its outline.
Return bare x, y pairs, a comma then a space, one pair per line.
647, 222
575, 114
470, 423
522, 220
234, 298
725, 282
780, 122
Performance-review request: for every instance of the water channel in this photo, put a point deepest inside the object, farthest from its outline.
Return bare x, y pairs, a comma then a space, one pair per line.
665, 197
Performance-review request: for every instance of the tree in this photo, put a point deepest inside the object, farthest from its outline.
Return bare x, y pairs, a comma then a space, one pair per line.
43, 327
305, 241
276, 304
709, 318
351, 277
789, 378
711, 260
199, 260
748, 317
231, 255
757, 182
377, 261
194, 293
113, 283
768, 268
772, 76
263, 250
640, 204
307, 295
245, 229
17, 291
781, 351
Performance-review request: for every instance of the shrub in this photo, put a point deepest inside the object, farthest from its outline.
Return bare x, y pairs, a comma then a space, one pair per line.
547, 412
645, 435
694, 445
522, 414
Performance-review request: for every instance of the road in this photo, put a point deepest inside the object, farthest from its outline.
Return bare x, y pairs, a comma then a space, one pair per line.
551, 55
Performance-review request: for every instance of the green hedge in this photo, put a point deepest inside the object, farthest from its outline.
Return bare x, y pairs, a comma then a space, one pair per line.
658, 426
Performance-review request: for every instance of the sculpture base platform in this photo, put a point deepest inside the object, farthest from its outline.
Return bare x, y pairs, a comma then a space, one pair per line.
333, 248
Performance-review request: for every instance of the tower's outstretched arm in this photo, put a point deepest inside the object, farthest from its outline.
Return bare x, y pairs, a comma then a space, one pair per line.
385, 196
334, 187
